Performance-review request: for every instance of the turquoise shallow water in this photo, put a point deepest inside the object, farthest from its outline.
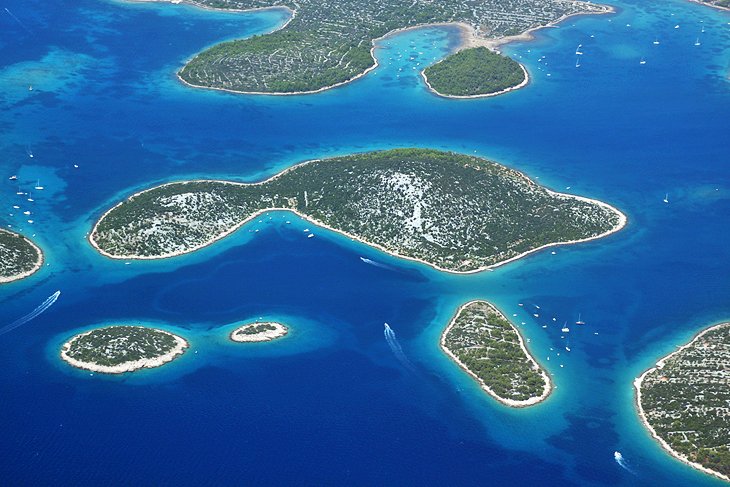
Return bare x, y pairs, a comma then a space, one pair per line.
330, 404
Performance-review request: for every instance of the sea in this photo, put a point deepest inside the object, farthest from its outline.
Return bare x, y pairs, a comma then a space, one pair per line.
331, 403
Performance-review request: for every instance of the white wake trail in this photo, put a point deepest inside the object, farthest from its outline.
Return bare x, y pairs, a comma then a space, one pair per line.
32, 315
396, 348
622, 462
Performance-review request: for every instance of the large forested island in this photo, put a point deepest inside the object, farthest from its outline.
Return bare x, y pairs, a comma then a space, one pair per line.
685, 401
19, 257
122, 348
328, 42
475, 72
490, 349
455, 212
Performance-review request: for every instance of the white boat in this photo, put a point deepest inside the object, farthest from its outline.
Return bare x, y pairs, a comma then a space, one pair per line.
697, 42
13, 177
565, 328
643, 61
310, 235
30, 197
666, 198
38, 185
580, 321
577, 65
656, 42
567, 349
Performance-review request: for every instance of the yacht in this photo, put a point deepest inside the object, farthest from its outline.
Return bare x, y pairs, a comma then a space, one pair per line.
38, 185
565, 328
666, 198
580, 321
697, 42
13, 177
643, 61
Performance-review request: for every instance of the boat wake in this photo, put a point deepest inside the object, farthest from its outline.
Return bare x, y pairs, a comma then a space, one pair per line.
396, 348
376, 264
622, 462
32, 315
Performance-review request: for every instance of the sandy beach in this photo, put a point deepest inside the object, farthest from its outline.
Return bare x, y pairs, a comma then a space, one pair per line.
264, 336
547, 389
637, 386
180, 346
38, 264
621, 224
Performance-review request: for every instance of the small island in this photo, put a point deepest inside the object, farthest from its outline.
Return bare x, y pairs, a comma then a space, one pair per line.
491, 350
19, 257
451, 211
259, 332
122, 348
684, 402
328, 43
721, 4
473, 73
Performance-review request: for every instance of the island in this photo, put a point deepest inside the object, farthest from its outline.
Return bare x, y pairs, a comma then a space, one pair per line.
475, 72
259, 332
19, 257
721, 4
684, 401
454, 212
491, 350
122, 348
327, 43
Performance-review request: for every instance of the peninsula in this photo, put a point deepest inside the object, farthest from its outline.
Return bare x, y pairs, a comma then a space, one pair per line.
491, 350
475, 72
19, 257
259, 332
329, 42
721, 4
454, 212
122, 348
684, 401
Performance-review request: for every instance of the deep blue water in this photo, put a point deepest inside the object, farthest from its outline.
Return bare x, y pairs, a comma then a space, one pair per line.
330, 404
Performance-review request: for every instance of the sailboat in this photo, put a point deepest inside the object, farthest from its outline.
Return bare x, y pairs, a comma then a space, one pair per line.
580, 321
38, 185
697, 42
656, 42
643, 61
666, 198
565, 328
577, 63
30, 197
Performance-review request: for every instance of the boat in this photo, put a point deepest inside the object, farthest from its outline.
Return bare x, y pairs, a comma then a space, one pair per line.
643, 61
565, 328
310, 235
30, 197
38, 185
567, 349
580, 321
656, 42
697, 42
666, 198
13, 177
577, 65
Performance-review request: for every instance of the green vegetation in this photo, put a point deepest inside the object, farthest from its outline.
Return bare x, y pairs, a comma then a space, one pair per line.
686, 400
119, 345
18, 256
328, 41
256, 328
474, 72
453, 211
488, 346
